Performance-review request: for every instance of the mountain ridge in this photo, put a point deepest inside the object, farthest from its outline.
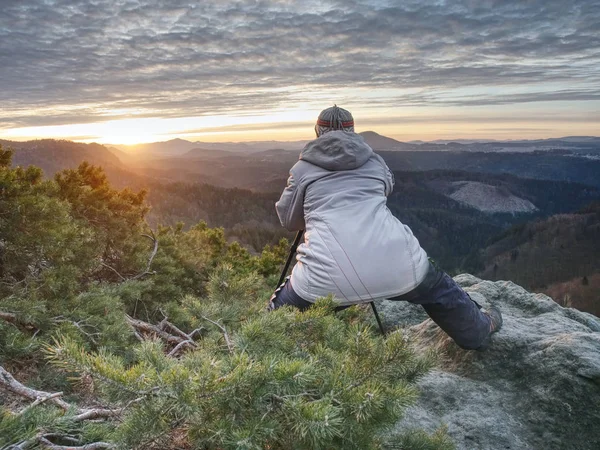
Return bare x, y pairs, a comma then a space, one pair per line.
376, 141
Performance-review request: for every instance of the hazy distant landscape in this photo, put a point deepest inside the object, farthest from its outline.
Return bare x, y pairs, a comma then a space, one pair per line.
459, 198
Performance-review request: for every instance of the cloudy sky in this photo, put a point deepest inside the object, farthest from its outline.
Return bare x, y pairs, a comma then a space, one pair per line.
124, 71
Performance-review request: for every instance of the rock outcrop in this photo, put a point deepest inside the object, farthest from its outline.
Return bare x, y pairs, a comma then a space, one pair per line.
536, 387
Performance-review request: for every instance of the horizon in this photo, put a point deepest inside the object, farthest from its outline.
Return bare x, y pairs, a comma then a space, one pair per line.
128, 74
433, 141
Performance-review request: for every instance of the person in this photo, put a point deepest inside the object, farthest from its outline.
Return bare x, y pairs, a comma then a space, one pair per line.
354, 248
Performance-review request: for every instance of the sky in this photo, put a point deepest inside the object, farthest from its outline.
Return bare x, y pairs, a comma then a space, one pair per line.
132, 71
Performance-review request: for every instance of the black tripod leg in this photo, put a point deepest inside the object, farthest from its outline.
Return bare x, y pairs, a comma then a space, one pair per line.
290, 256
378, 319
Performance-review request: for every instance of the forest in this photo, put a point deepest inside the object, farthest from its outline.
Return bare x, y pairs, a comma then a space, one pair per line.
116, 334
212, 186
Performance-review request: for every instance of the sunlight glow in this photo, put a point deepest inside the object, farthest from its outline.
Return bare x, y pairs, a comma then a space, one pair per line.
143, 130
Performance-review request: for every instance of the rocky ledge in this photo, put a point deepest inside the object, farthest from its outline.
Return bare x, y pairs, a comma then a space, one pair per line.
536, 387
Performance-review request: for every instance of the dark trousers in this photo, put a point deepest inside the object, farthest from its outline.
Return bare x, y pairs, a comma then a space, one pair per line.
446, 303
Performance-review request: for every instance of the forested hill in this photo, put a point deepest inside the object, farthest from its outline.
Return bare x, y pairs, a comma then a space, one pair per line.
263, 170
54, 155
453, 213
558, 255
539, 165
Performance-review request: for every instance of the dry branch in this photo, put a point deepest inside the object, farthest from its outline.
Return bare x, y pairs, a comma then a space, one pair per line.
148, 328
103, 264
8, 317
94, 446
9, 383
166, 331
224, 331
152, 255
92, 414
181, 346
21, 324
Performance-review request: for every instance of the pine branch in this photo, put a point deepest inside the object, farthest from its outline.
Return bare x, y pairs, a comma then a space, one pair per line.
146, 271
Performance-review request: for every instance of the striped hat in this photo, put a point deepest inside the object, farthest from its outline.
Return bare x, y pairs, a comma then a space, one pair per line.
334, 118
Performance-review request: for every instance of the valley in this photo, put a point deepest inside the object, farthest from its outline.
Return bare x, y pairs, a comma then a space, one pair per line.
459, 203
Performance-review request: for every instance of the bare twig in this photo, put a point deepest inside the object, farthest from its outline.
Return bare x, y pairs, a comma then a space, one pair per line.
146, 327
196, 332
8, 382
92, 414
94, 446
152, 255
8, 317
225, 334
167, 331
181, 346
62, 437
19, 323
138, 336
40, 400
103, 264
79, 327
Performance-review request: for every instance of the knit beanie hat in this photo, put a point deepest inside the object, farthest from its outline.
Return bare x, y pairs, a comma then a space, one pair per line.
334, 118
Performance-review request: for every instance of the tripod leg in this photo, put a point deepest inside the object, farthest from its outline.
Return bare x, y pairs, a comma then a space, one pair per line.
378, 319
290, 256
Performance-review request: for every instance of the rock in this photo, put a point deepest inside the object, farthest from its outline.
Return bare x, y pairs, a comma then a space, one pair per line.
536, 387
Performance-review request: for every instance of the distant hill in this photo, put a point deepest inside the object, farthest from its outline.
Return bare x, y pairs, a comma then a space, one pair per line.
552, 255
172, 147
378, 142
578, 145
181, 147
540, 165
208, 153
54, 155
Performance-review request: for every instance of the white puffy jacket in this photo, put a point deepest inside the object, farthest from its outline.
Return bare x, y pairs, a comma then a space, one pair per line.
354, 248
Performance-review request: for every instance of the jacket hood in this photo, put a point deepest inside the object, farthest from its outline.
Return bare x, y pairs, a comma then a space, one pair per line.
337, 150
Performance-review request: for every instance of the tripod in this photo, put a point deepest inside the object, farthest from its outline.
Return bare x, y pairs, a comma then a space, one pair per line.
289, 261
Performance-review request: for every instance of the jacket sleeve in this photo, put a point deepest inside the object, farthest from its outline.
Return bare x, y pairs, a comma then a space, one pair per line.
290, 207
388, 176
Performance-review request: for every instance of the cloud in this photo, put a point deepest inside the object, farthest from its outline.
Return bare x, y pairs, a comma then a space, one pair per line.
65, 61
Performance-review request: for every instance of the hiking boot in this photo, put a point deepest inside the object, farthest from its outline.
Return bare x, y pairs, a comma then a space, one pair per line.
495, 324
496, 319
